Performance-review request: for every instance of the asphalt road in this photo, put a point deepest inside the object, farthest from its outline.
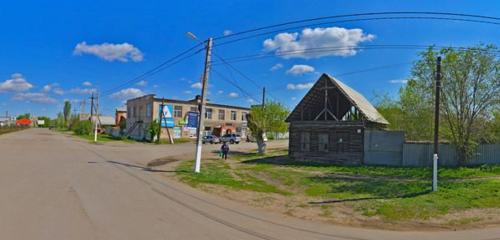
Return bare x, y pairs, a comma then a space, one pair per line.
57, 187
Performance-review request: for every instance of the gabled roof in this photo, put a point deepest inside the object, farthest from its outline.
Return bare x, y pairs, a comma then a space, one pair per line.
356, 99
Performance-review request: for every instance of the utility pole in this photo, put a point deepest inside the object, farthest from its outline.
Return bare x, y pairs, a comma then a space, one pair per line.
97, 115
92, 105
201, 126
263, 97
160, 115
436, 127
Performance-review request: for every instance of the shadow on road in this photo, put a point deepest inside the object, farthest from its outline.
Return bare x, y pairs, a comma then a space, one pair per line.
148, 169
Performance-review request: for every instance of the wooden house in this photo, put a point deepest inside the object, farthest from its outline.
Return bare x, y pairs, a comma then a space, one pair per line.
329, 123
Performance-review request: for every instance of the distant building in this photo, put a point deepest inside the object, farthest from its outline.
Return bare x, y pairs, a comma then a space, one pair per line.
331, 124
219, 119
7, 121
120, 114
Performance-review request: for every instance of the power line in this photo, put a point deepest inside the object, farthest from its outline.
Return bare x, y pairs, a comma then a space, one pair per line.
234, 84
164, 65
359, 15
306, 51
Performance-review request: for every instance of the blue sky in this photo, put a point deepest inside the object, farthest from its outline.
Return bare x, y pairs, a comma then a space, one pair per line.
56, 51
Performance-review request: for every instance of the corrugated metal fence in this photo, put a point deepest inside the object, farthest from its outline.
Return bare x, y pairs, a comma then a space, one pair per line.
388, 148
420, 154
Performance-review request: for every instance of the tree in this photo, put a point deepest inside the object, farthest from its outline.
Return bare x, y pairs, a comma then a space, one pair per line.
270, 118
470, 93
24, 116
66, 112
154, 129
46, 121
59, 121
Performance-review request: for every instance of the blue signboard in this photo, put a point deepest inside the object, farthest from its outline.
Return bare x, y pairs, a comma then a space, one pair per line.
167, 119
192, 120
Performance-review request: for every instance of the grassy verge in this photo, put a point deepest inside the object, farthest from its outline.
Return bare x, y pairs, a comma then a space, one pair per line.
104, 138
388, 193
4, 130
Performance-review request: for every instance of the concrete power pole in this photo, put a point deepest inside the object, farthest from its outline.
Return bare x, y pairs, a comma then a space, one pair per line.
201, 126
97, 115
436, 127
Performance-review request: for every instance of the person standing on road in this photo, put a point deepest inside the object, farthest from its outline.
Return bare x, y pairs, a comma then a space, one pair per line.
224, 150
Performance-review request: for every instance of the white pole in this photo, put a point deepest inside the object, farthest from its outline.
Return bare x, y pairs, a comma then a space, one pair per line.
201, 127
95, 119
435, 172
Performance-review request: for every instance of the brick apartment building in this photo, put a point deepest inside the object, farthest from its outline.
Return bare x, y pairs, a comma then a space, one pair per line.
219, 118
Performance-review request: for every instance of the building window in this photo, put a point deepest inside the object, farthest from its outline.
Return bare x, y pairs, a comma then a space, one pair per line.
140, 113
134, 111
129, 112
178, 111
222, 114
149, 110
233, 115
304, 141
323, 142
243, 116
208, 113
193, 109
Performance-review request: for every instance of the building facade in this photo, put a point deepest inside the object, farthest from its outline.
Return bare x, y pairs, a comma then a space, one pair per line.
219, 118
330, 122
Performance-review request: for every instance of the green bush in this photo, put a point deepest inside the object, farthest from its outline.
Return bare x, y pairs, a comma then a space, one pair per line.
82, 127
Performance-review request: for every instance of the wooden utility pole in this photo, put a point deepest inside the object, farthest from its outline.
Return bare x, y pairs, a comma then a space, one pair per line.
160, 119
201, 126
436, 127
263, 97
92, 105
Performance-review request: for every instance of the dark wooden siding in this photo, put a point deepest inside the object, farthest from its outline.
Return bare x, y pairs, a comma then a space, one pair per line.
345, 145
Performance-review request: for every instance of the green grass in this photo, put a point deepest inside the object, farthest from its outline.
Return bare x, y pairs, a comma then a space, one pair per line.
176, 141
4, 130
217, 172
392, 193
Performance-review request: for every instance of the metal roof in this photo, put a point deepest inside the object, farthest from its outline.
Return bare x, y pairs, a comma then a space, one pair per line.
355, 98
363, 105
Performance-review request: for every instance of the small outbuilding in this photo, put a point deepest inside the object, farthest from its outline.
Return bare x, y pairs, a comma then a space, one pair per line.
329, 124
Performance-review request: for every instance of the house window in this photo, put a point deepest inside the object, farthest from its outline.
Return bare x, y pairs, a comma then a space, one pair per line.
149, 110
129, 112
222, 114
140, 113
243, 116
208, 113
178, 111
134, 111
233, 115
193, 109
304, 141
323, 142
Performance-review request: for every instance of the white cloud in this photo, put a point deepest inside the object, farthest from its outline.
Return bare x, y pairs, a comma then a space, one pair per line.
34, 97
294, 98
128, 93
188, 92
251, 101
227, 32
122, 52
341, 40
87, 84
300, 69
16, 83
83, 90
220, 92
47, 88
58, 91
398, 81
299, 86
142, 83
233, 95
197, 85
276, 67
